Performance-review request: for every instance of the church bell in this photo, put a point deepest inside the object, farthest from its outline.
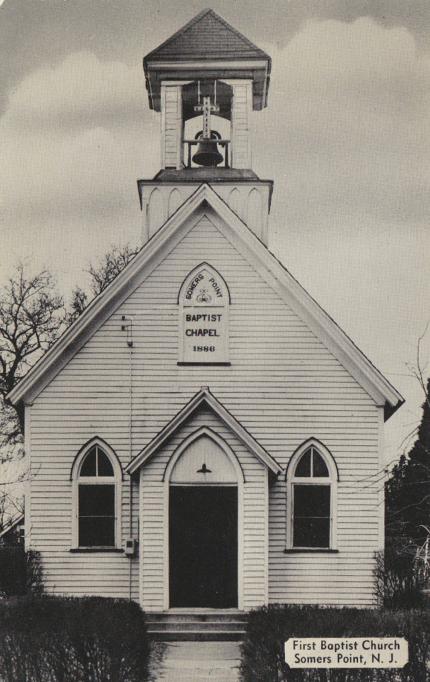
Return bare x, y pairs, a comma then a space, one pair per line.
207, 153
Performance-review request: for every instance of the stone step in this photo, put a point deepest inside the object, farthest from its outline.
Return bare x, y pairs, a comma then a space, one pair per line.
196, 635
182, 624
197, 625
197, 617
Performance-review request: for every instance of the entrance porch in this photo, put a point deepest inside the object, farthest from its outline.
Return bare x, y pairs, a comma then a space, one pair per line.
204, 487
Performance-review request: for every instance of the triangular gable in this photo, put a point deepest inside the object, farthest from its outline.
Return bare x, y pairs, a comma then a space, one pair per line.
206, 201
12, 523
206, 398
207, 36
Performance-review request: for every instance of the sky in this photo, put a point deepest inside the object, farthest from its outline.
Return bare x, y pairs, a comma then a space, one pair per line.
345, 137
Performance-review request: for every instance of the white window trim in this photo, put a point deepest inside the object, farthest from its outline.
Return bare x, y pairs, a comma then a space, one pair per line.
331, 481
115, 480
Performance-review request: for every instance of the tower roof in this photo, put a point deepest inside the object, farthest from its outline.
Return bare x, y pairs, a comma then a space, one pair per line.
207, 46
207, 36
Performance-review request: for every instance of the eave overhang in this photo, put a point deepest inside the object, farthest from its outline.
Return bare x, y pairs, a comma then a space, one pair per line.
206, 201
207, 47
204, 398
158, 72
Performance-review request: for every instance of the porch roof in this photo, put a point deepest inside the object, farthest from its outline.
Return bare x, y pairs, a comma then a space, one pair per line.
204, 397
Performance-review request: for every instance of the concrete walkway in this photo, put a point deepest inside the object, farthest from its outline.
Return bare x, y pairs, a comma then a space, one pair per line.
200, 661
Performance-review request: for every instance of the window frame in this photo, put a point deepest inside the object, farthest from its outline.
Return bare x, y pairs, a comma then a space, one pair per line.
115, 480
331, 481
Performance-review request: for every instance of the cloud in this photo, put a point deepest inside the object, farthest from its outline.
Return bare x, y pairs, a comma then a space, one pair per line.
40, 33
349, 108
346, 138
73, 140
413, 15
346, 135
281, 20
80, 92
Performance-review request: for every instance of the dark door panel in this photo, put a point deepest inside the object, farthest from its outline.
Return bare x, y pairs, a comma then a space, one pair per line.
203, 546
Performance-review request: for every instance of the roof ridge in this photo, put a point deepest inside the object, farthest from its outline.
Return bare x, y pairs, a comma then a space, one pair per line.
196, 19
181, 30
236, 31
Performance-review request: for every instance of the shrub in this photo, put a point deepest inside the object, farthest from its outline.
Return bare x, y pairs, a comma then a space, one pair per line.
20, 571
269, 627
33, 573
397, 582
50, 639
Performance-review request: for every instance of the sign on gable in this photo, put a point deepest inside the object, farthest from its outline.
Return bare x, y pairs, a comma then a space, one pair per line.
204, 308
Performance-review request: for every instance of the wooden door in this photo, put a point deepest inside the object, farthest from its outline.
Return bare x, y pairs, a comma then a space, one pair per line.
203, 546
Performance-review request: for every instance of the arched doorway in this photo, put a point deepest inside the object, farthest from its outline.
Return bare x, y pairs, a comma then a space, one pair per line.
204, 479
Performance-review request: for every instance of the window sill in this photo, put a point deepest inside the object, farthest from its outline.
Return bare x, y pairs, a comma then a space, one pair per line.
93, 550
309, 550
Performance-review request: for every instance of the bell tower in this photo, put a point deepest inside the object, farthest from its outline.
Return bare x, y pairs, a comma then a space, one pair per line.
205, 81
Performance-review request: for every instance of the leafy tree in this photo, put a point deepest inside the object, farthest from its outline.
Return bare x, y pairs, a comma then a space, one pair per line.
408, 516
408, 490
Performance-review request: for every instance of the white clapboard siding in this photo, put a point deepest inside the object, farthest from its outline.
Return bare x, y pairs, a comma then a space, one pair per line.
283, 385
242, 106
154, 519
171, 99
160, 201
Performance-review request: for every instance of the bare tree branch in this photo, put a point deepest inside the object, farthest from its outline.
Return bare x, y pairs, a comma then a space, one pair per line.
31, 319
101, 275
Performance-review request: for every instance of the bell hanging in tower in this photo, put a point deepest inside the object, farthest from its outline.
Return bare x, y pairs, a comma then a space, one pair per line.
206, 81
207, 70
207, 153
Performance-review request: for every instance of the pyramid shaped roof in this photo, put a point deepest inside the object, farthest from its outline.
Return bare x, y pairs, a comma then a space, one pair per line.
207, 36
207, 47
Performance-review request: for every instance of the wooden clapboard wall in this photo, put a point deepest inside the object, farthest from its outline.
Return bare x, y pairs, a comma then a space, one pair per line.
241, 110
171, 125
253, 541
283, 385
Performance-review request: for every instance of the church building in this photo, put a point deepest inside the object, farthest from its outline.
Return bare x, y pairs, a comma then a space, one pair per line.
204, 434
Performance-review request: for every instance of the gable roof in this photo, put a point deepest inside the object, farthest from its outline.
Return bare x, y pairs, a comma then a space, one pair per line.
204, 398
12, 524
207, 36
205, 201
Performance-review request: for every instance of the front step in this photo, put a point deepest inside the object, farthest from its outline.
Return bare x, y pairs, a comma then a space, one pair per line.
198, 635
204, 625
184, 625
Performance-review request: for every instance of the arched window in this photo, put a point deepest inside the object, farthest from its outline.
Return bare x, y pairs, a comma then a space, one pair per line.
203, 318
96, 477
311, 495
